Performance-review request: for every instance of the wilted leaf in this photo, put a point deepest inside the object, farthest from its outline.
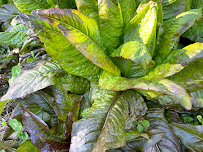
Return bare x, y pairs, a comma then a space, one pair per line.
83, 34
113, 16
70, 59
29, 5
8, 12
103, 127
173, 29
190, 135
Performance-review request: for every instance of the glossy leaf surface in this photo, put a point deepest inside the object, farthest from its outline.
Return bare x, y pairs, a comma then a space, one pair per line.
32, 80
174, 28
33, 5
83, 34
103, 127
190, 135
163, 86
70, 59
113, 16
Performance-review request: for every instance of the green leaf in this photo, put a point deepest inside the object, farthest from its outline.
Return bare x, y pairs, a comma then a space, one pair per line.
190, 135
8, 12
29, 5
16, 70
15, 37
169, 141
134, 134
83, 34
173, 29
139, 128
135, 51
15, 125
176, 61
113, 16
27, 146
191, 77
88, 7
68, 82
158, 87
173, 8
32, 80
70, 59
143, 26
195, 33
103, 127
145, 123
67, 4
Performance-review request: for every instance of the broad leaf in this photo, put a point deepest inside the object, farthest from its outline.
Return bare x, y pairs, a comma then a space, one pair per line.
88, 7
176, 61
169, 142
158, 87
190, 135
70, 59
195, 33
68, 82
27, 146
83, 34
8, 12
36, 103
197, 99
173, 29
135, 51
67, 4
173, 8
113, 16
103, 127
143, 26
191, 77
29, 5
63, 102
32, 80
15, 37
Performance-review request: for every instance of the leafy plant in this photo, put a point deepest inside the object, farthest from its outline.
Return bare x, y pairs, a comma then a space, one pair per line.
112, 63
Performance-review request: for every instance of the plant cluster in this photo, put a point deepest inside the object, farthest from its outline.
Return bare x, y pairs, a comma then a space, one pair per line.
103, 75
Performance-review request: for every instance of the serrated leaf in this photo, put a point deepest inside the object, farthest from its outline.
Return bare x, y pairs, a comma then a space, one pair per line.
32, 80
143, 26
174, 28
113, 16
169, 142
70, 59
191, 77
8, 12
176, 61
135, 51
190, 135
29, 5
15, 37
83, 34
103, 127
162, 86
88, 7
